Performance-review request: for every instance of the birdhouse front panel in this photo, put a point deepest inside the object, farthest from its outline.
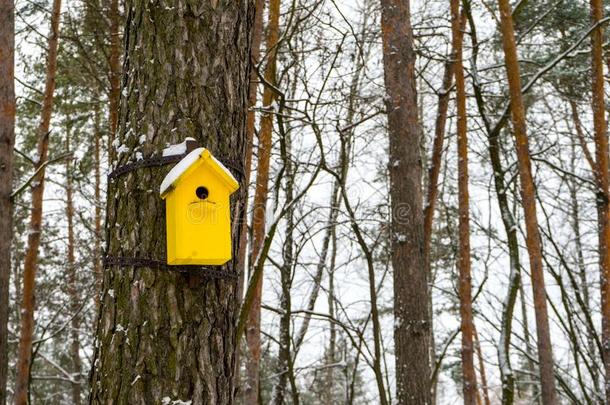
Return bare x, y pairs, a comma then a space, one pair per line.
198, 212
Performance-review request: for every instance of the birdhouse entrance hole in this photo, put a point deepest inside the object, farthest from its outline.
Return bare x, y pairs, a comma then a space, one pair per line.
202, 193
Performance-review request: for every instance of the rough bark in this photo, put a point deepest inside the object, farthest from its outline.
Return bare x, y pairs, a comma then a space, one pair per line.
412, 326
602, 181
164, 336
253, 327
7, 141
528, 197
22, 382
469, 388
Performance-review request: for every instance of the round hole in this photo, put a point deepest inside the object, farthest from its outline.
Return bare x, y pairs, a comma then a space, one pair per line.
202, 193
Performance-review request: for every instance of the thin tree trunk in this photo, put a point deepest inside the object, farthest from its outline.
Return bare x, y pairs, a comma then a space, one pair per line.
469, 387
436, 159
97, 259
580, 135
412, 326
514, 283
7, 141
115, 76
22, 382
528, 196
484, 387
602, 181
334, 203
434, 169
73, 290
165, 336
255, 50
253, 330
257, 33
582, 269
284, 369
529, 346
368, 255
331, 356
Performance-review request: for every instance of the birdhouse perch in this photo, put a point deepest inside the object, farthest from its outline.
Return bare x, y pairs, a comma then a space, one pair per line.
197, 193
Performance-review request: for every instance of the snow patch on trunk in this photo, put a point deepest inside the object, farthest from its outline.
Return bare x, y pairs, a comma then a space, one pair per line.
177, 149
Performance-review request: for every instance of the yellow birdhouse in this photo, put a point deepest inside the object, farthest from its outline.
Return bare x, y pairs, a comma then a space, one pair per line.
198, 216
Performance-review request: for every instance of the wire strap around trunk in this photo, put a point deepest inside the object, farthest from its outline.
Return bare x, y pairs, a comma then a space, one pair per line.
136, 262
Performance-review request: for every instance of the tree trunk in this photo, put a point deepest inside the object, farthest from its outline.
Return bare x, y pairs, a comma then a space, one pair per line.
412, 326
444, 95
22, 382
582, 269
331, 356
508, 221
482, 373
165, 336
73, 290
469, 387
528, 196
114, 62
284, 369
253, 326
255, 50
602, 180
434, 169
97, 247
7, 141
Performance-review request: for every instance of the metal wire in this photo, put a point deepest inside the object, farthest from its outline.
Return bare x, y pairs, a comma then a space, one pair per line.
158, 161
140, 262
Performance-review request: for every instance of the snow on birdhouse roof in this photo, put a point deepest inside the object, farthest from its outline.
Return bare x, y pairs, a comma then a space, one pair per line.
192, 160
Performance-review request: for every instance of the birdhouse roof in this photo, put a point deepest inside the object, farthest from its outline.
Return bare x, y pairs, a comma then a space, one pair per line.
197, 158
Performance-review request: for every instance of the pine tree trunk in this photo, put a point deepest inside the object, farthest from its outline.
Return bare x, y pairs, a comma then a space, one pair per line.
253, 326
412, 326
165, 336
22, 382
602, 181
528, 197
469, 387
7, 141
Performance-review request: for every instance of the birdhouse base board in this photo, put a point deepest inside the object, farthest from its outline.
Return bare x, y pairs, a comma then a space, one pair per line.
195, 261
